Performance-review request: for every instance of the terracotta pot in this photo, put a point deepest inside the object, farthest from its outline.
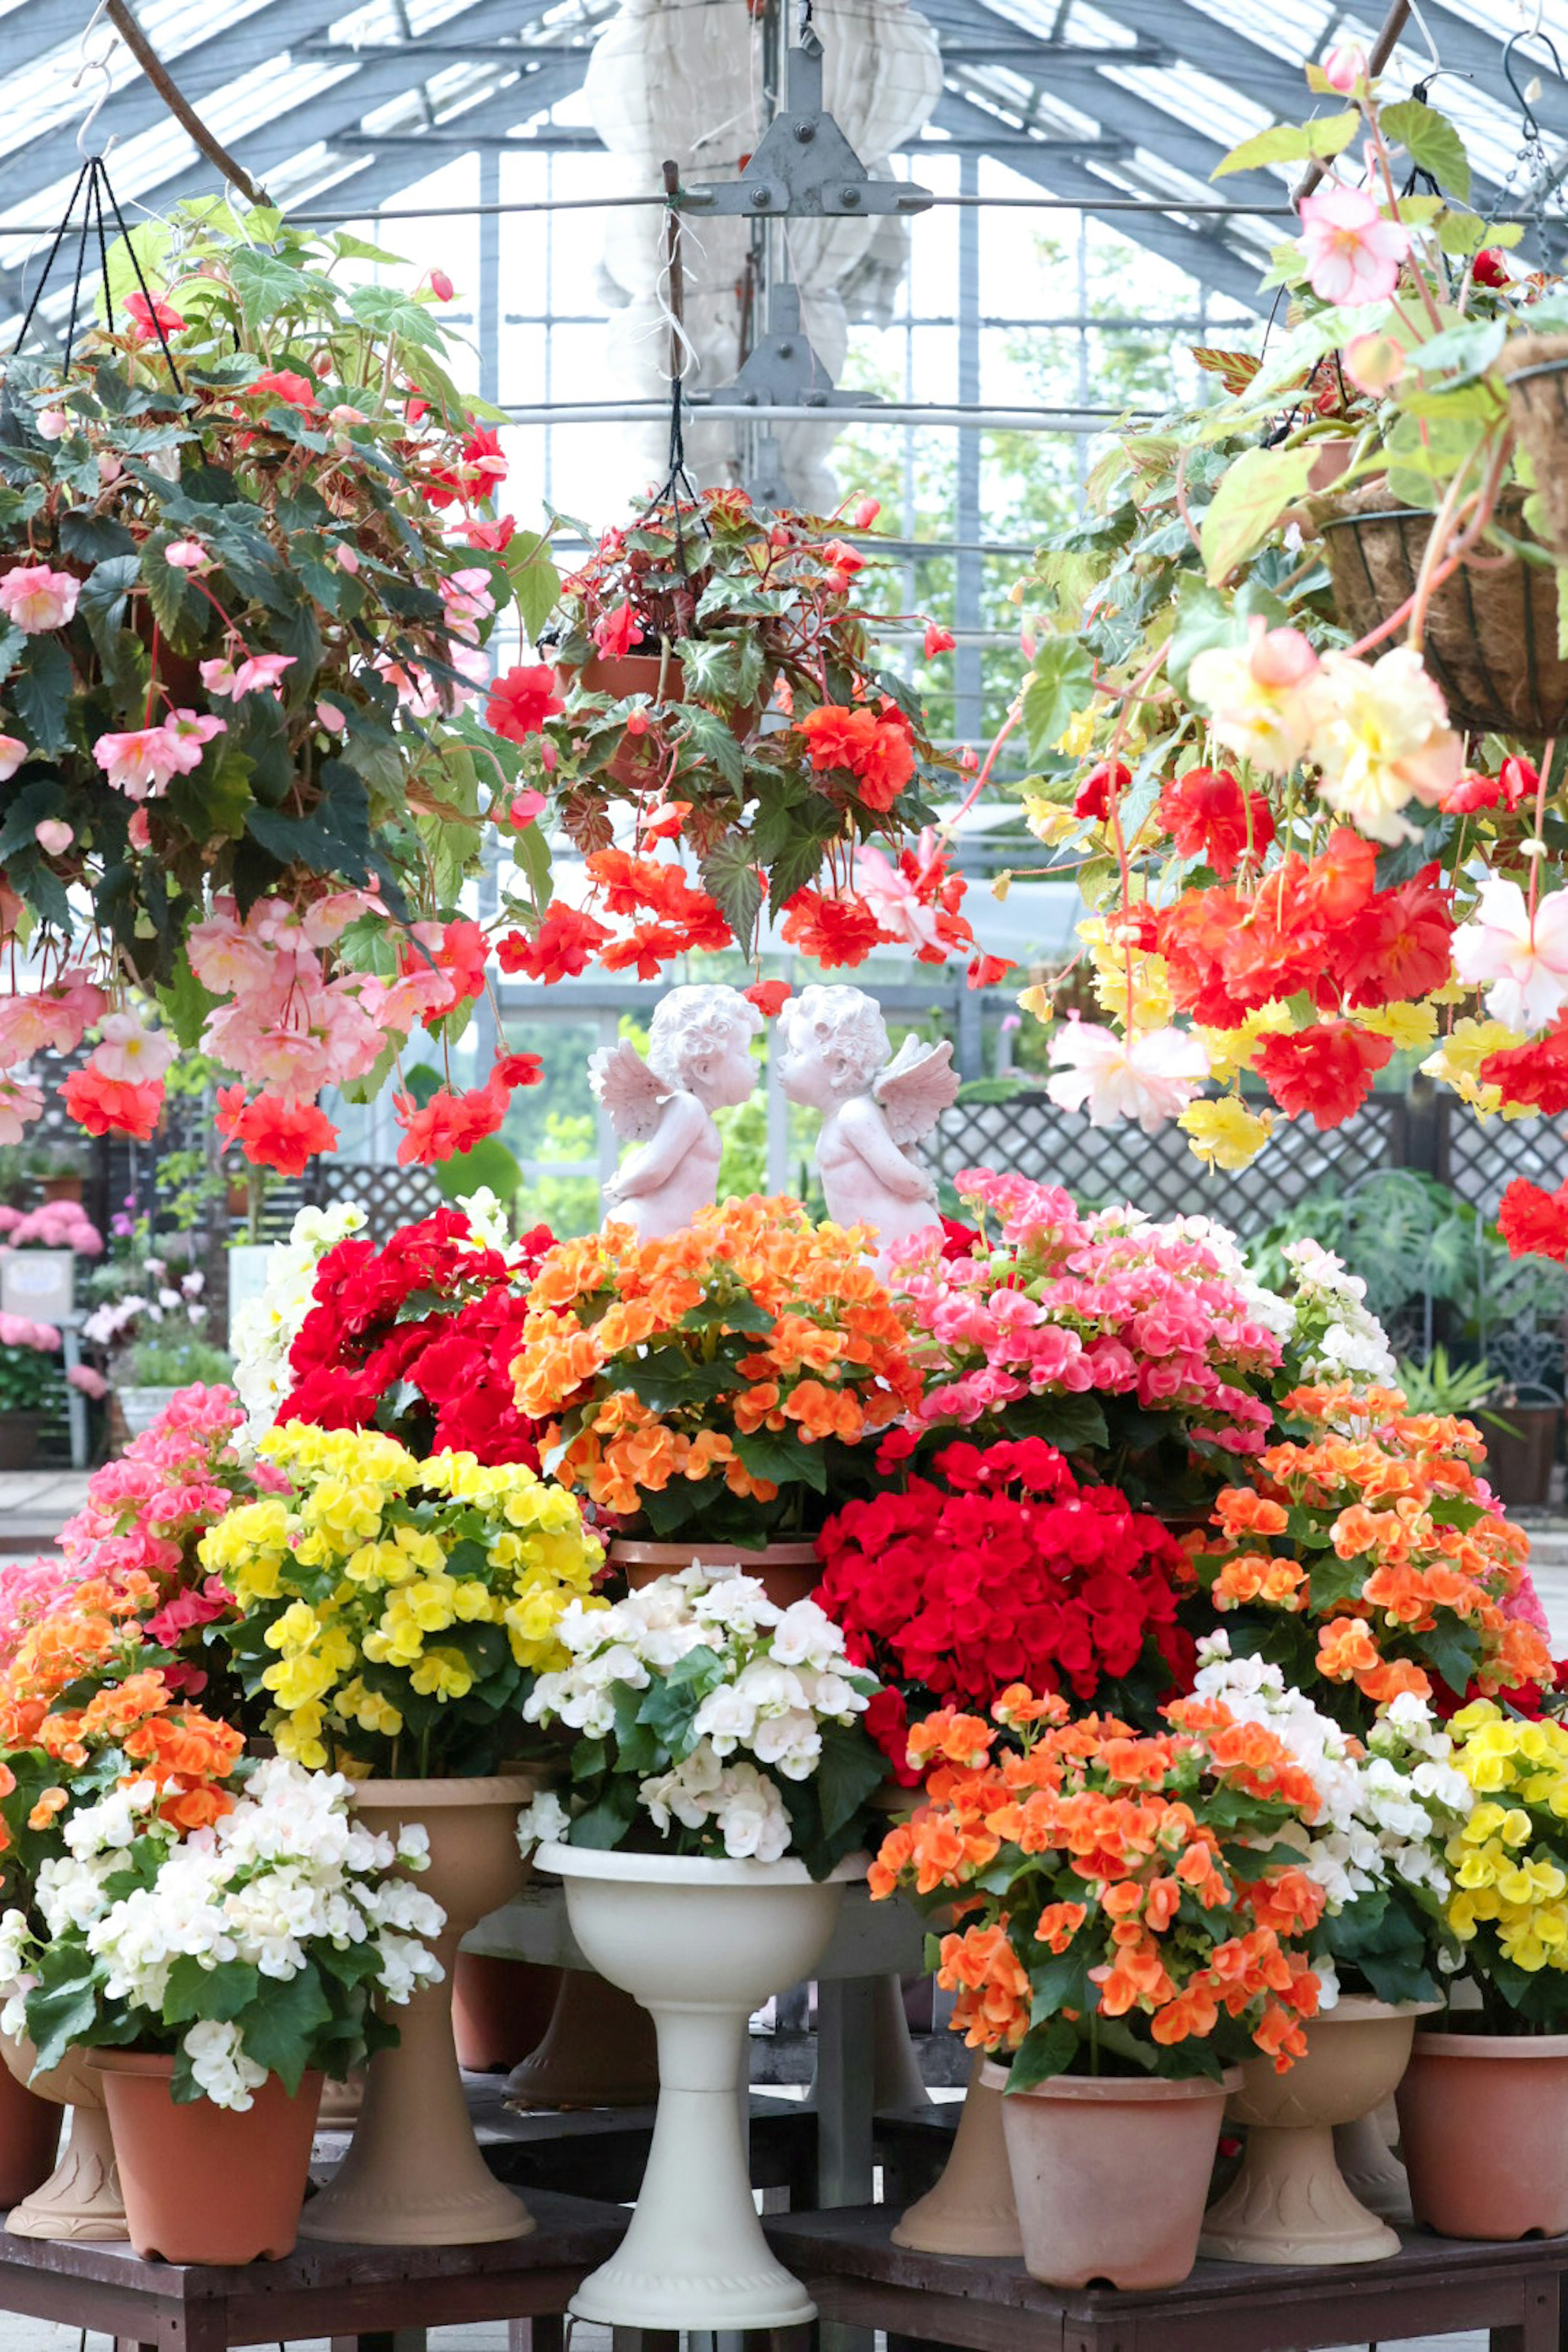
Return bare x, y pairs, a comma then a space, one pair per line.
203, 2184
21, 1435
414, 2175
1290, 2202
599, 2051
630, 674
786, 1571
972, 2209
1110, 2174
61, 1188
1483, 2120
500, 2009
80, 2200
1520, 1458
1490, 638
30, 2138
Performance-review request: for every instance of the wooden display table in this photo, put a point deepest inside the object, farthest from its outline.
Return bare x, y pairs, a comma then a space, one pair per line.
1436, 2287
345, 2292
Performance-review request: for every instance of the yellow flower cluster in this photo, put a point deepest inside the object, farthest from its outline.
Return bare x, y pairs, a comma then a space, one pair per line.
1507, 1877
376, 1579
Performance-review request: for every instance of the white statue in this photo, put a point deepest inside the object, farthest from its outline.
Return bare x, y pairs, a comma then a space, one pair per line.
698, 1061
836, 1061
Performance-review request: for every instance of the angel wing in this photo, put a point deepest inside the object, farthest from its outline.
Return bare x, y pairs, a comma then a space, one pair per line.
915, 1089
623, 1082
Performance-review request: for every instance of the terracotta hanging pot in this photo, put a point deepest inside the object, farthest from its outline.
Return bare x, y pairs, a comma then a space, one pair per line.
786, 1571
1290, 2202
1110, 2173
1483, 2122
1490, 637
599, 2051
30, 2138
204, 2183
80, 2200
414, 2175
700, 1944
972, 2209
500, 2009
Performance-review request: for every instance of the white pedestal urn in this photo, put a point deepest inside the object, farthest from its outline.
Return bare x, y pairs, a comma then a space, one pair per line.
700, 1944
1290, 2202
971, 2208
414, 2175
81, 2202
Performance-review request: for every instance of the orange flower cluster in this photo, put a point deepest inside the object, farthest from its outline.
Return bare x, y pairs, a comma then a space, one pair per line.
89, 1632
1373, 1533
731, 1351
1084, 1867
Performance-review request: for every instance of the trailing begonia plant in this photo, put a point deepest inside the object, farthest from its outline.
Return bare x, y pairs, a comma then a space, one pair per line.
717, 694
248, 558
1129, 1904
1509, 1902
708, 1720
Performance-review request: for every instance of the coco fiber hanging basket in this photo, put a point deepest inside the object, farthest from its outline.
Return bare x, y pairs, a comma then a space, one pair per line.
1490, 637
1535, 369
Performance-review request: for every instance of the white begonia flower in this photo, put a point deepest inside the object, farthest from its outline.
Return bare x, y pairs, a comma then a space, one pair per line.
488, 1219
545, 1822
219, 2066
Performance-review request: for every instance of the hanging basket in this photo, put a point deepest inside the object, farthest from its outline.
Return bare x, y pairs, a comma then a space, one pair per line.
1490, 638
1535, 369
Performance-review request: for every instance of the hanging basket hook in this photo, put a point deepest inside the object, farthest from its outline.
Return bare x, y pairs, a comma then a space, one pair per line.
1527, 113
98, 63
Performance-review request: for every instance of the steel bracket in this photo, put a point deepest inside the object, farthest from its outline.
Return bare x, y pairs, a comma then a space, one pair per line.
805, 164
780, 370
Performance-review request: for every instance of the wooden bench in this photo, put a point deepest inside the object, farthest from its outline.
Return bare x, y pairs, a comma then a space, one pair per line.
1433, 2286
372, 2297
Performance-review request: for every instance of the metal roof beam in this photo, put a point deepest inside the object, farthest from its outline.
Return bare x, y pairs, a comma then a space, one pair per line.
1204, 256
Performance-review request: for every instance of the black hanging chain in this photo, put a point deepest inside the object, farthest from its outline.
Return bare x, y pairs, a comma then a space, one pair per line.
92, 187
676, 479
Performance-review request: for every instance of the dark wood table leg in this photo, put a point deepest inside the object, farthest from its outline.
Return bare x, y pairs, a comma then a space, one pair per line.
653, 2340
547, 2333
1538, 2331
383, 2339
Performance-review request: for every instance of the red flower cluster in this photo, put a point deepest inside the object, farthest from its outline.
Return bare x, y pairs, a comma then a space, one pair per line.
682, 918
113, 1105
999, 1567
1533, 1221
273, 1132
1207, 816
448, 1123
1327, 1070
429, 1314
873, 746
1534, 1073
563, 946
522, 699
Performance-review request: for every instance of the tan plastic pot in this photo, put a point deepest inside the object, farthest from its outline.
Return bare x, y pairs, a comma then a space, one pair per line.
787, 1571
1483, 2122
30, 2138
1110, 2174
79, 2201
971, 2208
203, 2183
598, 2049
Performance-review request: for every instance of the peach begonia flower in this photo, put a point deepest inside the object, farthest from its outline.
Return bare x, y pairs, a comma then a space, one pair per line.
1382, 739
1351, 253
1522, 963
1149, 1075
1259, 696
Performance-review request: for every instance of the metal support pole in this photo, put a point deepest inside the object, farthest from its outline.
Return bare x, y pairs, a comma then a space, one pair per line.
969, 709
490, 281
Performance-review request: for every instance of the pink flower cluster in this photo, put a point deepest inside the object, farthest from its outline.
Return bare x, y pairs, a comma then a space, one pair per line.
21, 1331
147, 1511
1063, 1304
28, 1590
141, 763
57, 1225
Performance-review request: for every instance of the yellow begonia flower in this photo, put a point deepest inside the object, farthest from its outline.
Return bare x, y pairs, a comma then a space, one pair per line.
1039, 1000
1226, 1134
1077, 737
1152, 1003
1049, 821
1230, 1051
1406, 1026
1457, 1060
443, 1675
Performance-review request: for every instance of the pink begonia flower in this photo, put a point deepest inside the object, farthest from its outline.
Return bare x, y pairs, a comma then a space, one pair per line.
1373, 363
52, 1017
345, 414
51, 424
53, 835
109, 467
256, 674
88, 1380
128, 1052
21, 1331
1522, 965
190, 733
35, 598
1258, 695
893, 898
1149, 1076
468, 597
187, 555
140, 763
1345, 67
524, 807
1381, 738
138, 832
13, 752
329, 716
346, 557
20, 1104
1351, 253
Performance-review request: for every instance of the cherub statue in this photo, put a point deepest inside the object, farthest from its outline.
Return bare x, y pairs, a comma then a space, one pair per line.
699, 1060
836, 1061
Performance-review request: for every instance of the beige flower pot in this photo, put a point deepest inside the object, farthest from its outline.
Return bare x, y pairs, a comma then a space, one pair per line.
1110, 2173
1484, 2123
786, 1571
80, 2200
1291, 2202
1365, 2153
972, 2209
599, 2051
414, 2175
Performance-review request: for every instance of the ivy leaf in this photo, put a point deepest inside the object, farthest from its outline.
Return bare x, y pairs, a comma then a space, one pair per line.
1253, 494
729, 875
796, 867
1294, 143
41, 691
1430, 141
1058, 689
265, 285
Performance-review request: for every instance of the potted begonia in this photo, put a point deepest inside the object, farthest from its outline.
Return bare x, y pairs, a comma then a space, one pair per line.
217, 1967
250, 557
1116, 2001
705, 1392
401, 1636
32, 1394
1480, 2103
720, 1777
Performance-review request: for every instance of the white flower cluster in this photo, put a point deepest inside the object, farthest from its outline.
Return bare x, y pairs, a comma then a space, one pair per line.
785, 1674
1384, 1815
265, 1329
1351, 1344
288, 1867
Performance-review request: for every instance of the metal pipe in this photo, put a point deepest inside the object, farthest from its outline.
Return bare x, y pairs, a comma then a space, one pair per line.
888, 411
